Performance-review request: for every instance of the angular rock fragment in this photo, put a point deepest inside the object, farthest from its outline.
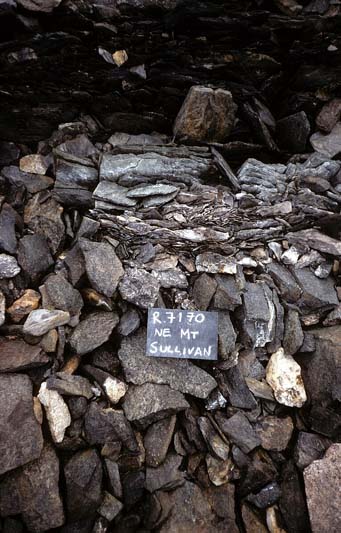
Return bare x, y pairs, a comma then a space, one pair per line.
274, 432
83, 478
32, 182
180, 375
17, 355
286, 283
327, 144
69, 385
58, 293
203, 290
215, 443
228, 294
34, 164
44, 217
167, 476
157, 440
39, 5
266, 497
308, 448
2, 308
213, 263
292, 501
293, 333
316, 240
41, 321
110, 507
252, 522
9, 267
112, 193
284, 376
206, 115
92, 332
259, 314
34, 256
8, 239
28, 302
329, 115
321, 481
57, 412
139, 287
108, 425
240, 432
129, 322
293, 131
149, 403
103, 267
21, 437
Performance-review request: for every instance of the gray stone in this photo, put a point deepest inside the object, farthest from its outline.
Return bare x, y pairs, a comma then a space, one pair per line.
180, 375
44, 217
21, 437
316, 292
239, 431
152, 190
83, 478
17, 355
308, 448
327, 144
217, 446
259, 314
129, 322
32, 182
70, 385
286, 283
60, 294
316, 240
114, 478
41, 321
227, 296
267, 496
110, 507
329, 115
275, 433
167, 476
110, 192
8, 240
103, 267
157, 440
203, 290
139, 287
57, 412
293, 132
292, 502
171, 278
149, 403
80, 146
214, 263
226, 338
2, 308
44, 6
293, 333
9, 267
206, 115
93, 331
233, 386
322, 484
34, 256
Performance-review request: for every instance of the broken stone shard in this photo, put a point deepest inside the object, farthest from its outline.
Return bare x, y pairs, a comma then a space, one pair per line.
103, 267
139, 287
93, 331
57, 412
9, 267
284, 376
41, 321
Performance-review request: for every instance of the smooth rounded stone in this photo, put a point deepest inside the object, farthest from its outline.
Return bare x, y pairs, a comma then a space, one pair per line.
45, 6
41, 321
57, 412
284, 376
129, 322
179, 374
267, 496
149, 403
21, 436
322, 488
33, 164
83, 479
327, 144
58, 293
293, 333
206, 115
103, 267
110, 507
274, 432
9, 267
2, 308
157, 440
93, 331
17, 355
139, 287
21, 307
329, 115
203, 291
293, 131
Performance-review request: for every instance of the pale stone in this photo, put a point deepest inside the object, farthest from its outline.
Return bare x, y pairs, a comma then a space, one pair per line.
57, 412
28, 302
41, 321
33, 164
115, 389
284, 376
2, 308
120, 57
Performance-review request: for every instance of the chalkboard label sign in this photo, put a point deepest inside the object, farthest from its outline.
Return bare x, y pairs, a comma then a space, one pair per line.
182, 334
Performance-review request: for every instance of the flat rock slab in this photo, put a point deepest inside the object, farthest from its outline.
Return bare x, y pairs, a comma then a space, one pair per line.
93, 331
103, 267
180, 375
149, 403
17, 355
21, 437
322, 487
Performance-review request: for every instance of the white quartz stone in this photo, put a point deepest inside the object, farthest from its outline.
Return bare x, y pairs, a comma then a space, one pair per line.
115, 389
57, 412
284, 376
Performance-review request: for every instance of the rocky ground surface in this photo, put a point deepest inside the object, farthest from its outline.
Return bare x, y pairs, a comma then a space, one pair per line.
177, 169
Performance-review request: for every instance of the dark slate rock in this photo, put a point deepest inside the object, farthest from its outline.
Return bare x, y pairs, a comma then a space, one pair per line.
109, 509
217, 446
308, 448
228, 295
93, 331
226, 338
260, 472
16, 355
107, 425
322, 487
274, 433
69, 385
293, 333
166, 476
181, 375
129, 322
203, 290
114, 479
233, 386
286, 283
60, 294
316, 292
75, 179
8, 240
239, 431
78, 406
258, 313
267, 496
34, 256
9, 152
44, 216
325, 420
149, 403
103, 267
83, 478
32, 182
292, 501
293, 132
157, 440
133, 488
21, 437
